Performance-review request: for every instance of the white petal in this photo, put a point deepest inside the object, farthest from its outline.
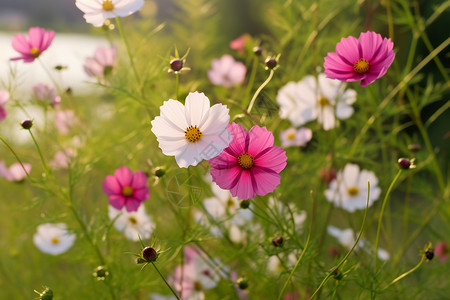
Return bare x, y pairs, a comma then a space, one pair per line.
196, 108
173, 112
343, 111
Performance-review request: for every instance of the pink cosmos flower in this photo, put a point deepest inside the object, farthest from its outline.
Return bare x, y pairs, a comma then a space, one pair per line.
62, 159
126, 189
65, 120
4, 98
239, 43
38, 41
15, 172
102, 63
366, 58
46, 93
442, 251
250, 165
227, 72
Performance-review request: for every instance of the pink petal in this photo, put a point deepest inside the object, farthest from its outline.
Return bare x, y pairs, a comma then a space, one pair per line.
20, 44
124, 176
117, 201
47, 40
244, 188
224, 160
370, 43
239, 142
226, 178
335, 68
260, 139
3, 113
35, 36
348, 50
273, 158
141, 194
266, 182
139, 180
111, 186
132, 204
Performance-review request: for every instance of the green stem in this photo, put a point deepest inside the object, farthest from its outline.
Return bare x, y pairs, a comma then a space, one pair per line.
303, 251
165, 281
381, 213
127, 46
349, 252
406, 273
177, 84
252, 102
39, 151
15, 155
251, 81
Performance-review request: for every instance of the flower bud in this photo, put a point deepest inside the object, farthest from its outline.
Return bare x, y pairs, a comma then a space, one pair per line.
159, 172
404, 163
100, 273
257, 50
27, 124
244, 204
334, 252
176, 64
47, 294
337, 274
278, 241
429, 254
270, 63
242, 283
149, 254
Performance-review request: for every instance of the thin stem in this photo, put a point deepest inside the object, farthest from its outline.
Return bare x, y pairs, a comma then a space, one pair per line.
251, 81
406, 273
381, 213
252, 102
130, 56
15, 155
349, 252
39, 151
165, 281
303, 252
177, 84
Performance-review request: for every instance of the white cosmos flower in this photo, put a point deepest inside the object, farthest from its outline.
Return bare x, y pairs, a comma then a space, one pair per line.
349, 189
295, 137
97, 11
133, 223
346, 237
192, 132
310, 99
53, 238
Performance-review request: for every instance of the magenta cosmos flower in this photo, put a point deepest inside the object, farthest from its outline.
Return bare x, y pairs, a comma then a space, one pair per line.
38, 41
250, 165
126, 189
366, 58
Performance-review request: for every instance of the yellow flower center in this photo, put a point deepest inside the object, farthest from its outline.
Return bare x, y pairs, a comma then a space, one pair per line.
193, 134
245, 161
55, 240
361, 66
107, 5
230, 203
133, 220
127, 191
323, 101
291, 136
35, 52
353, 191
198, 286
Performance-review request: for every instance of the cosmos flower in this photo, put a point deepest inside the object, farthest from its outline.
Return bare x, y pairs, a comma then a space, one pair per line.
250, 165
349, 190
102, 63
126, 189
15, 172
310, 99
4, 98
38, 41
97, 11
62, 159
366, 58
227, 72
53, 239
65, 120
192, 132
133, 224
46, 94
292, 137
442, 251
238, 44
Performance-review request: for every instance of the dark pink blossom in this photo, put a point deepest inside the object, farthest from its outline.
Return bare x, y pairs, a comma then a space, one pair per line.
126, 188
239, 43
38, 41
250, 165
442, 251
364, 59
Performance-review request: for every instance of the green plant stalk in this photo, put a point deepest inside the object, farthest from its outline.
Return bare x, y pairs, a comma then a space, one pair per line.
177, 85
15, 155
252, 102
127, 46
303, 252
380, 219
165, 281
349, 252
406, 273
39, 151
251, 81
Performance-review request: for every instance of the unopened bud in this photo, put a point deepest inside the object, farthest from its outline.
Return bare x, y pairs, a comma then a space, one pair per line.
271, 63
47, 294
257, 51
100, 273
404, 163
176, 64
149, 254
242, 283
278, 241
27, 124
244, 204
429, 254
159, 172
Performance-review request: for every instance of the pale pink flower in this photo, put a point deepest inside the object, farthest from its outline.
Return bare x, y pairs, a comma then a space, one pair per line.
62, 159
126, 188
239, 43
442, 251
97, 11
65, 120
38, 41
295, 137
366, 58
102, 63
250, 165
4, 98
226, 71
15, 172
46, 94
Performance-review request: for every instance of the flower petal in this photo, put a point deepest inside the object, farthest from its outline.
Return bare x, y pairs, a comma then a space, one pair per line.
260, 139
274, 159
196, 108
111, 186
124, 176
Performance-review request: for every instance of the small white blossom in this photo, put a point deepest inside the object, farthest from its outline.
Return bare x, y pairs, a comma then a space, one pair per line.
295, 137
53, 239
133, 223
97, 11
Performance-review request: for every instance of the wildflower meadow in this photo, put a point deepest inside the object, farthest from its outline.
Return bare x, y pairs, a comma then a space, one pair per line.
208, 149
